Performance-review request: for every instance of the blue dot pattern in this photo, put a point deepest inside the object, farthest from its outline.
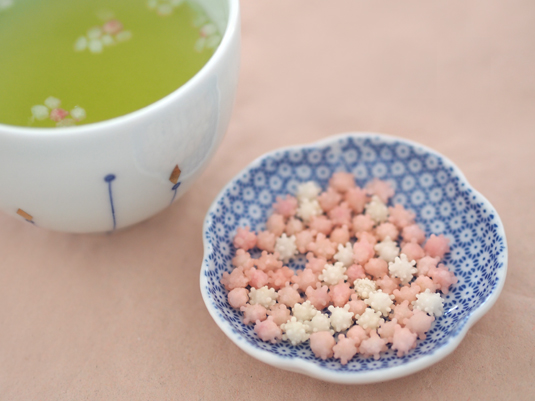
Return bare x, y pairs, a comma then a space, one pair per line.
424, 182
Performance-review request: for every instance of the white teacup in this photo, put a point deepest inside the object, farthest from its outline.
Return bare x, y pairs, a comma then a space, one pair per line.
109, 175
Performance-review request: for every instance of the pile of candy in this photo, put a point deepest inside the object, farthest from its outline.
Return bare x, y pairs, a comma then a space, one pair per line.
371, 280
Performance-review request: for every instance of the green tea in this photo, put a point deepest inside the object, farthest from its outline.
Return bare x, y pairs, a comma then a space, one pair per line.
67, 62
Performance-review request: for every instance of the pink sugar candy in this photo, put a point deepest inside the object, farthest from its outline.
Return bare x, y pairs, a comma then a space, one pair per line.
404, 340
388, 284
442, 277
362, 252
268, 261
305, 278
425, 283
400, 216
265, 240
322, 344
362, 222
321, 224
384, 230
413, 251
280, 278
319, 296
340, 235
268, 330
252, 313
376, 267
257, 278
322, 247
402, 311
286, 207
236, 279
366, 236
329, 199
275, 224
358, 334
238, 297
289, 296
280, 313
340, 294
58, 114
380, 188
406, 293
303, 238
243, 259
345, 349
437, 246
315, 264
341, 215
373, 346
356, 198
424, 264
419, 323
356, 306
413, 232
294, 226
341, 181
354, 272
244, 239
386, 330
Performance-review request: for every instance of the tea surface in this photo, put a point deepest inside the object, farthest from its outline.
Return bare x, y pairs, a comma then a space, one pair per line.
68, 62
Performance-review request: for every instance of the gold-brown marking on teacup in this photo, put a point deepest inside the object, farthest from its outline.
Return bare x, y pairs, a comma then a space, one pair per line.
27, 216
175, 175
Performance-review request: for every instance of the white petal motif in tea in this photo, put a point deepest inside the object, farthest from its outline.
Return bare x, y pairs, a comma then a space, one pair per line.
164, 7
97, 38
5, 4
52, 110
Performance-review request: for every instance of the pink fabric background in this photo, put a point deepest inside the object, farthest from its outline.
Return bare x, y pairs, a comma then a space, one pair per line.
120, 317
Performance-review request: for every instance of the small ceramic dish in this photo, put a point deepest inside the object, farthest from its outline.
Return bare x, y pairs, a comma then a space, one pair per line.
425, 182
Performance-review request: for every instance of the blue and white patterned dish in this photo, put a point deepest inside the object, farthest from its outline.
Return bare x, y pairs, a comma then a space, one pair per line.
426, 182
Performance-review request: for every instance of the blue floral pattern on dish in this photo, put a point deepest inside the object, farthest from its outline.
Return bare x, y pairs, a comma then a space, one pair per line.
424, 182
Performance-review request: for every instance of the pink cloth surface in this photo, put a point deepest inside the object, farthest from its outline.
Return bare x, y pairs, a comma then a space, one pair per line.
120, 316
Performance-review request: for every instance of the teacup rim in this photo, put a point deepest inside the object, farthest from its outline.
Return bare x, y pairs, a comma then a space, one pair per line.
137, 115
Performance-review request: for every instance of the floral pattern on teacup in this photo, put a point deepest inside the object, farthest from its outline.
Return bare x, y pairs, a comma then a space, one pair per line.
5, 4
52, 110
164, 7
209, 37
99, 37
